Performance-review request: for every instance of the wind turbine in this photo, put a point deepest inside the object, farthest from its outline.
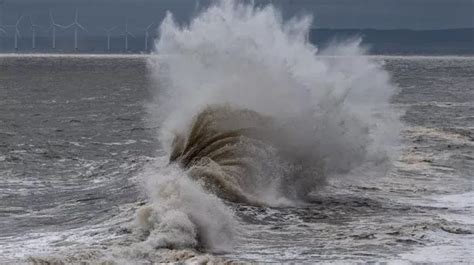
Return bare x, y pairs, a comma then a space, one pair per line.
2, 28
147, 35
2, 31
109, 30
53, 28
197, 7
127, 33
1, 12
76, 26
33, 32
17, 31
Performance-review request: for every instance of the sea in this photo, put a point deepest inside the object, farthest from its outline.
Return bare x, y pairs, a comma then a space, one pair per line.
90, 173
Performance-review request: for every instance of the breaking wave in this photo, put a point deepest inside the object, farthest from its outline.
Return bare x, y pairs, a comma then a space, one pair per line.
243, 156
251, 112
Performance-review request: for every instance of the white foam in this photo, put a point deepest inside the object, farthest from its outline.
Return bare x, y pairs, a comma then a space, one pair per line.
182, 214
459, 252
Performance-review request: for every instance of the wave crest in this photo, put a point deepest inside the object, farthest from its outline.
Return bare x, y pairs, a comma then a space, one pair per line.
230, 152
244, 156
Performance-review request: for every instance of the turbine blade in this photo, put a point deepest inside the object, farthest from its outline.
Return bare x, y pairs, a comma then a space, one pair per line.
51, 16
75, 17
149, 26
65, 27
81, 27
19, 20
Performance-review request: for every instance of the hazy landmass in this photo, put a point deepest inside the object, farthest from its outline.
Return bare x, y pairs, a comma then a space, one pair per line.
398, 42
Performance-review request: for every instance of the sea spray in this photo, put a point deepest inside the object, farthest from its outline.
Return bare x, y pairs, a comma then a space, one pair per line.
329, 115
181, 214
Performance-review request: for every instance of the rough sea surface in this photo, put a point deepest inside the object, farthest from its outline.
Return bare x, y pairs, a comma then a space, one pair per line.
74, 141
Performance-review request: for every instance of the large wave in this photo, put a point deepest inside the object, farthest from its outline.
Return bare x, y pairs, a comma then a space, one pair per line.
251, 112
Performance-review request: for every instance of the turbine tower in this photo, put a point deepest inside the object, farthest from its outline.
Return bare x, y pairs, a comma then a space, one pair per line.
17, 31
53, 27
76, 26
109, 31
34, 27
127, 33
147, 29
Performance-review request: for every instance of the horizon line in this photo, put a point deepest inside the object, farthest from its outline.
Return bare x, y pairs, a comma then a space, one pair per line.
147, 55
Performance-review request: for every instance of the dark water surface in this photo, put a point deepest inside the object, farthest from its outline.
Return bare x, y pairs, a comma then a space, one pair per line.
72, 135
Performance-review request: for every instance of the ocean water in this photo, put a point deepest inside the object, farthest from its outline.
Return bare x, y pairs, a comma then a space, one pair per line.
74, 141
259, 151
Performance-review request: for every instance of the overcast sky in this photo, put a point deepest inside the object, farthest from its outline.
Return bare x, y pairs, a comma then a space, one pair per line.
380, 14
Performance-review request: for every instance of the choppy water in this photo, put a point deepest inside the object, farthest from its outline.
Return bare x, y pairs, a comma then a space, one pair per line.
74, 141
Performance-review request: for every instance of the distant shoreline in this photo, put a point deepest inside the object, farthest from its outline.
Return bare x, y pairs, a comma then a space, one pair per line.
436, 42
138, 55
